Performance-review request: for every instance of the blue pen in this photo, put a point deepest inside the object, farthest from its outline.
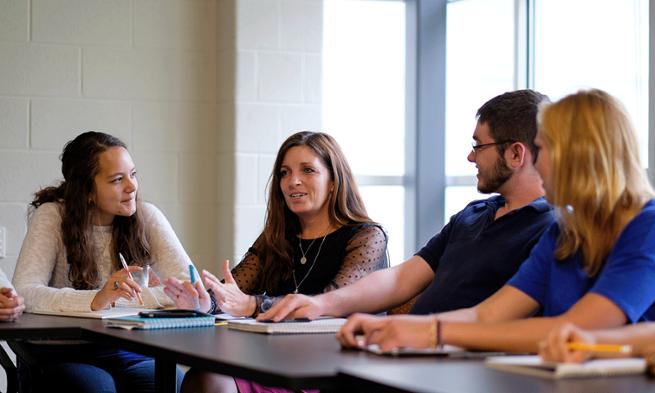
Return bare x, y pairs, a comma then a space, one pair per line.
192, 274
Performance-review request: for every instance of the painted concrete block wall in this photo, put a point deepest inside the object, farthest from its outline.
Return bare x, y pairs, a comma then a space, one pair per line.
142, 70
277, 88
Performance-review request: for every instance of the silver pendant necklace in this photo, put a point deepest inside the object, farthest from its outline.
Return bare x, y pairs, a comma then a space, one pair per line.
303, 259
298, 284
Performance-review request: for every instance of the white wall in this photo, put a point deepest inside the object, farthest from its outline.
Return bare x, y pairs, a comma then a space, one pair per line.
276, 58
203, 92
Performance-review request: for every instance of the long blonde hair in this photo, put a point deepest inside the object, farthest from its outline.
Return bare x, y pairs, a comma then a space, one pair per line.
598, 182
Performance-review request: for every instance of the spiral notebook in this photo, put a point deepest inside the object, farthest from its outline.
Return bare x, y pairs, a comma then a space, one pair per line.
324, 325
534, 365
137, 322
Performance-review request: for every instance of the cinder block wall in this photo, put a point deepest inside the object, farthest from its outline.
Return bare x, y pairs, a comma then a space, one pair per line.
203, 92
142, 70
275, 61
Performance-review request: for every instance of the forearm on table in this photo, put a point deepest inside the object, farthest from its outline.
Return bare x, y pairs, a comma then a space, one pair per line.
515, 336
376, 292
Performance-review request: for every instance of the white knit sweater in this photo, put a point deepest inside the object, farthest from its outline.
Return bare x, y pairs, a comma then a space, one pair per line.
41, 275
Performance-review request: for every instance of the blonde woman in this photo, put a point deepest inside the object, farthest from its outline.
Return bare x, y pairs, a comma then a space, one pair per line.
594, 267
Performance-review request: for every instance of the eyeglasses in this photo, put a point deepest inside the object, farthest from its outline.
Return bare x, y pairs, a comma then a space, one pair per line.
477, 147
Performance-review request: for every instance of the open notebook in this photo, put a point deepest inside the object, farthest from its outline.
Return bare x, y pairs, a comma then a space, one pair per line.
534, 365
100, 314
324, 325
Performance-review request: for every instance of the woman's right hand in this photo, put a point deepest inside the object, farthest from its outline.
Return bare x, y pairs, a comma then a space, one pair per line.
555, 347
229, 297
118, 285
187, 295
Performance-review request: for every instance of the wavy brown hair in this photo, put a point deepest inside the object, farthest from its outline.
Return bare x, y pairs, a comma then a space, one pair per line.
79, 165
345, 207
598, 181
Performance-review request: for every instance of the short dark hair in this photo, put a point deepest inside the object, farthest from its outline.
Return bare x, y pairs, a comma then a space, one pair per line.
512, 116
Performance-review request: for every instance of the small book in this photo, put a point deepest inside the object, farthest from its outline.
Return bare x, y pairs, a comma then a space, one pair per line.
534, 365
99, 314
147, 323
324, 325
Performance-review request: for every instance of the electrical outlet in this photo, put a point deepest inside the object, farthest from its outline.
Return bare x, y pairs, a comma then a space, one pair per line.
3, 242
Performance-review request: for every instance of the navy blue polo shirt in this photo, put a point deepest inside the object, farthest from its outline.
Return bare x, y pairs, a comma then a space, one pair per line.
474, 254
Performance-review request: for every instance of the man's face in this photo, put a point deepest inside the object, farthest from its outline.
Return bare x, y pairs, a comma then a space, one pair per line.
493, 171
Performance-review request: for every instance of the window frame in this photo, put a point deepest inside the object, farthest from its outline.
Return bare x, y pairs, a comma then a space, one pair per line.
427, 27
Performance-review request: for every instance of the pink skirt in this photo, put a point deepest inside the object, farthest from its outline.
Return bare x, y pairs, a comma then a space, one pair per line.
246, 386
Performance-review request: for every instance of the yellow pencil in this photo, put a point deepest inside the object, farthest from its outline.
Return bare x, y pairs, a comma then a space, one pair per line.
222, 323
614, 348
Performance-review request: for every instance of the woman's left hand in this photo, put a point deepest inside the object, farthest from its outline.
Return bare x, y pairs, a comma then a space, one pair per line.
229, 297
186, 295
555, 347
387, 332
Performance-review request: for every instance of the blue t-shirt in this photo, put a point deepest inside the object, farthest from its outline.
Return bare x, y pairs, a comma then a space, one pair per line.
627, 277
475, 254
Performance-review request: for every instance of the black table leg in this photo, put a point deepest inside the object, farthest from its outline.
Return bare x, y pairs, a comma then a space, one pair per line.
165, 374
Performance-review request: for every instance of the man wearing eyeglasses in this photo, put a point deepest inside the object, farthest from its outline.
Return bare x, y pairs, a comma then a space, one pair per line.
480, 248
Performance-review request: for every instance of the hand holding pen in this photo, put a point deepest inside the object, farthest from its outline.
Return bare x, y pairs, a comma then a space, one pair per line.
118, 285
187, 295
570, 344
192, 275
129, 274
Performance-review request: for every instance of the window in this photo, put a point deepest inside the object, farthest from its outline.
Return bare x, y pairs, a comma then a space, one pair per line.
479, 65
363, 103
590, 43
576, 44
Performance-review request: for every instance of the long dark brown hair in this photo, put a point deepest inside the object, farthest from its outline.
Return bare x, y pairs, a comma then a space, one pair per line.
345, 206
79, 165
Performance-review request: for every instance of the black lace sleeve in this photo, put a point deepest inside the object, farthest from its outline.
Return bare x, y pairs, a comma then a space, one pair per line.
366, 252
246, 273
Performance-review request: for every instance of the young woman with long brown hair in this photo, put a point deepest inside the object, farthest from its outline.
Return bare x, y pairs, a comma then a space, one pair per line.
69, 261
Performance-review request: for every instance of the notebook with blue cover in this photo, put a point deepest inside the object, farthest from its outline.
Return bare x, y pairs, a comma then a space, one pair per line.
137, 322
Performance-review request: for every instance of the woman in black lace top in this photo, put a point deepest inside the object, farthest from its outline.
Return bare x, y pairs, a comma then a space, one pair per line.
317, 237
